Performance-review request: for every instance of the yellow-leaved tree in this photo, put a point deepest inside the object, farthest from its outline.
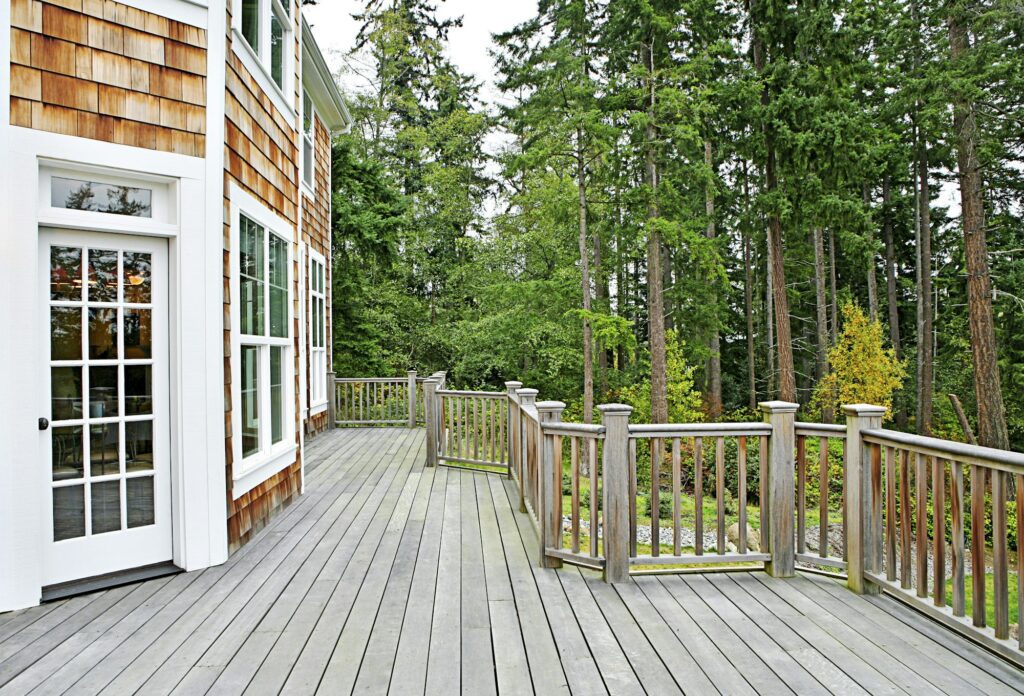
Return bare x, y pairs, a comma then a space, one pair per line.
861, 369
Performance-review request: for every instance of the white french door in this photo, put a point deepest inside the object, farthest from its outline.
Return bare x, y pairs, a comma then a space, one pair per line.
106, 466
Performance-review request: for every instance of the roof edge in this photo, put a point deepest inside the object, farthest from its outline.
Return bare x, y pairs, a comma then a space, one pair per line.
331, 106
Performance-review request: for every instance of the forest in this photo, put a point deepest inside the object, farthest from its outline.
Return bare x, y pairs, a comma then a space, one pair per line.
697, 205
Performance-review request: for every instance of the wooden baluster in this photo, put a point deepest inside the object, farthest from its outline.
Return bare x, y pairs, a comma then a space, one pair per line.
763, 499
595, 494
492, 407
575, 489
1000, 593
655, 500
844, 507
741, 490
476, 427
890, 514
720, 491
823, 497
874, 563
677, 535
978, 545
1019, 479
921, 480
502, 415
906, 560
451, 426
698, 496
956, 511
801, 494
632, 497
938, 532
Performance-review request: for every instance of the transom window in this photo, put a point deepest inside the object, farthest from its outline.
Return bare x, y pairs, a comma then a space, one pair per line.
265, 336
266, 26
317, 331
308, 151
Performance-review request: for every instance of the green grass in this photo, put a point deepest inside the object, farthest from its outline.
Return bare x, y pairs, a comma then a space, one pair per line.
990, 612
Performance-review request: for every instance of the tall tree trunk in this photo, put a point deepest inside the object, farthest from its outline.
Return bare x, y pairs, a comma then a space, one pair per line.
821, 316
892, 300
872, 279
992, 430
834, 290
601, 293
655, 299
769, 318
588, 342
748, 296
923, 228
714, 368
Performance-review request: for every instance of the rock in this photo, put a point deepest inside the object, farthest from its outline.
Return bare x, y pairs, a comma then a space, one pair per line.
753, 538
730, 547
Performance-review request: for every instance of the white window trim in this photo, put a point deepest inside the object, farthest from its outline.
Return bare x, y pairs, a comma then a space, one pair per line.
259, 67
308, 186
319, 405
254, 470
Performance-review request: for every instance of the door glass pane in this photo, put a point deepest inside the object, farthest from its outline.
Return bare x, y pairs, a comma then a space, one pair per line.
68, 512
65, 333
138, 390
251, 273
78, 194
278, 287
139, 496
65, 273
276, 395
276, 50
138, 443
250, 400
138, 269
106, 506
65, 393
102, 275
251, 23
66, 453
103, 391
103, 334
104, 449
138, 334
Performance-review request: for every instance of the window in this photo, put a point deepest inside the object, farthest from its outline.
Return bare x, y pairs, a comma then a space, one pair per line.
267, 27
317, 331
308, 153
79, 194
265, 343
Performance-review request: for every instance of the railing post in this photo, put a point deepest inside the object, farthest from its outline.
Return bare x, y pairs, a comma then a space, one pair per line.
411, 387
430, 415
863, 503
332, 397
512, 428
779, 488
550, 513
527, 402
615, 479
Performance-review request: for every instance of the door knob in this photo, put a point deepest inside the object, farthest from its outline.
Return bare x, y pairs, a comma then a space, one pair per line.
43, 424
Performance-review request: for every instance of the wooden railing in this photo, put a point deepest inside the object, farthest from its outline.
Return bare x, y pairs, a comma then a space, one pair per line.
815, 450
473, 428
397, 401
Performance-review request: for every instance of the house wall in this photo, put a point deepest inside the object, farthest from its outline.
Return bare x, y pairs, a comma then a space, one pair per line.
103, 70
261, 156
316, 232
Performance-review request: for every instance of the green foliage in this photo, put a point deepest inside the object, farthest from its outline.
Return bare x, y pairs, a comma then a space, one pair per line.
684, 400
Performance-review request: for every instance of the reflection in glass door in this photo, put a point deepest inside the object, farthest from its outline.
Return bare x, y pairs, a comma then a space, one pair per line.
105, 438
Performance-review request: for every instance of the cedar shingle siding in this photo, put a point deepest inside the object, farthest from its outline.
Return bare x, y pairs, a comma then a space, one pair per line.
102, 70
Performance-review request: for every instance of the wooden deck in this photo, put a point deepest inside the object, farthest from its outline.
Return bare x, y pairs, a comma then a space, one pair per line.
387, 576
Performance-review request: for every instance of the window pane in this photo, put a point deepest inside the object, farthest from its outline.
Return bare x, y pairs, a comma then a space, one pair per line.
251, 23
78, 194
103, 334
66, 453
139, 495
276, 50
278, 287
106, 506
104, 449
65, 273
138, 444
102, 275
251, 271
65, 393
103, 391
137, 277
65, 333
68, 512
138, 334
250, 400
138, 389
276, 395
307, 113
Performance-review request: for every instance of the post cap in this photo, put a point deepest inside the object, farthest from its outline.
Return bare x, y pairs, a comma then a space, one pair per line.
411, 372
514, 385
615, 409
778, 406
550, 406
527, 392
863, 410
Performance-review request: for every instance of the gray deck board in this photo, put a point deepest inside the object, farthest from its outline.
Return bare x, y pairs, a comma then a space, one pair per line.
389, 577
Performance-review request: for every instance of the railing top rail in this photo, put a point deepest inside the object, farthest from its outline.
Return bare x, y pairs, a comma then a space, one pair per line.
359, 380
574, 429
474, 394
822, 429
989, 457
663, 430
